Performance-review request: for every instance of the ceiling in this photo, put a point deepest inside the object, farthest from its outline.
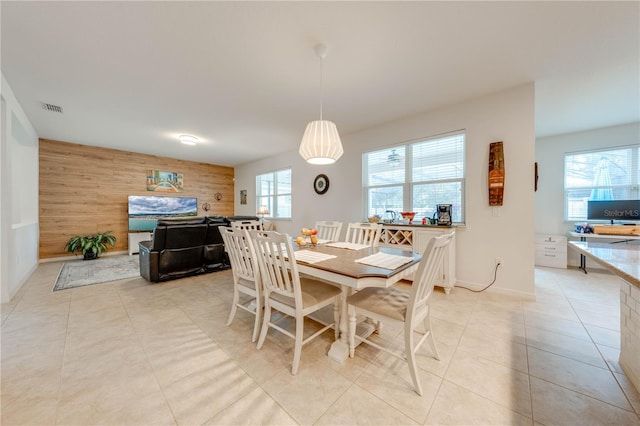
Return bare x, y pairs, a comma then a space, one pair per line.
244, 78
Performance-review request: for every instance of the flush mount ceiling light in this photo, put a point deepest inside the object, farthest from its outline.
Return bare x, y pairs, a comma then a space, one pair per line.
188, 139
321, 142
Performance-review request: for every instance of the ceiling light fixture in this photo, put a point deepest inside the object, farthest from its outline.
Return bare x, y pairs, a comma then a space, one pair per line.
321, 142
188, 139
394, 158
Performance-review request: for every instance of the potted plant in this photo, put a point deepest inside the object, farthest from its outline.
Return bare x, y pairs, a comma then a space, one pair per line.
91, 246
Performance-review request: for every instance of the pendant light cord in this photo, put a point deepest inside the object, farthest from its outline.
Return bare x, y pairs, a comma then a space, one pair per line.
321, 86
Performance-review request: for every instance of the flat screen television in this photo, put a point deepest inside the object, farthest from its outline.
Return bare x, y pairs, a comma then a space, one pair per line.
614, 210
145, 210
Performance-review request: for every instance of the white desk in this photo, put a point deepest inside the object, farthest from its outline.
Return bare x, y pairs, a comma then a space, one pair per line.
344, 271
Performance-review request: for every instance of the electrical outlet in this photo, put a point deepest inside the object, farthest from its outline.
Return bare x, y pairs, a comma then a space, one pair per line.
499, 261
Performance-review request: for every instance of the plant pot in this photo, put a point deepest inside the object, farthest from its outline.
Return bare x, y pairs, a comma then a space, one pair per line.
90, 255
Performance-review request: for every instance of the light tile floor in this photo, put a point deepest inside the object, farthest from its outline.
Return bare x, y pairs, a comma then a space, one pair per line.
134, 353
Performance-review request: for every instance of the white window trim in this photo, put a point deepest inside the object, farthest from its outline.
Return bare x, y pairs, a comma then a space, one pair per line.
271, 203
408, 185
634, 186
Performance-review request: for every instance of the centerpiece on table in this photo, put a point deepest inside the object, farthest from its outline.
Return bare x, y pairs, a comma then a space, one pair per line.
311, 234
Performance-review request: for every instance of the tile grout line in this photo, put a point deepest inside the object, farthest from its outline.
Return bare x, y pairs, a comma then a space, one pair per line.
146, 355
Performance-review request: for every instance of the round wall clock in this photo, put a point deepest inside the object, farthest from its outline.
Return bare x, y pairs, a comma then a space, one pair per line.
321, 184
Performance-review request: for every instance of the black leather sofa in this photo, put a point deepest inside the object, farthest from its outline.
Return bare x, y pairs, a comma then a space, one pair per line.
185, 247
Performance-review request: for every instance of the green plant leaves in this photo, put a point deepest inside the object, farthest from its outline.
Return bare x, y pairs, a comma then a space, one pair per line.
96, 243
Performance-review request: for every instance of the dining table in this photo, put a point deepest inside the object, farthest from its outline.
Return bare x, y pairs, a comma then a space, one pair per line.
353, 267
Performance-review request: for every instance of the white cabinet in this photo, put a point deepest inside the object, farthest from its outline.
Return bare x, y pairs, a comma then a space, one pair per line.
447, 272
416, 238
135, 238
551, 250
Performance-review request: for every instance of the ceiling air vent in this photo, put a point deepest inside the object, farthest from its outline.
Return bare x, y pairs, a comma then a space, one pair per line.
52, 107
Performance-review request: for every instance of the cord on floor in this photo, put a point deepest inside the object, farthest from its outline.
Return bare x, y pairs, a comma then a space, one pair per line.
495, 276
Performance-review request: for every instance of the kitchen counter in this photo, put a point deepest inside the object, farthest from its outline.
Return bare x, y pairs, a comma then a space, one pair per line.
621, 259
624, 261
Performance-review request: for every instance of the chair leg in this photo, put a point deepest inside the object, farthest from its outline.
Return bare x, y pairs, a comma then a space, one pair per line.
411, 358
432, 340
298, 344
336, 317
352, 331
256, 324
234, 305
265, 324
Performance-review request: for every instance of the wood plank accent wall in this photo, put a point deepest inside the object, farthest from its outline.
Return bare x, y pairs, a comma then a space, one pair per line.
84, 189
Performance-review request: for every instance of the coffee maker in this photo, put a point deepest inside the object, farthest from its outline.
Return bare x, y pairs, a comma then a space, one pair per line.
444, 214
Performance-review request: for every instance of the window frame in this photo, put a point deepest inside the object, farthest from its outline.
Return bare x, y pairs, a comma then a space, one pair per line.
407, 184
271, 199
632, 186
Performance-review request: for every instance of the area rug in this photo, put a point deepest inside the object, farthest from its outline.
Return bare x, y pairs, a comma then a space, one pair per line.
86, 272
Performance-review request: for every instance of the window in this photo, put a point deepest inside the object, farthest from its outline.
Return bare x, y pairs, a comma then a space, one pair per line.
610, 174
274, 191
416, 177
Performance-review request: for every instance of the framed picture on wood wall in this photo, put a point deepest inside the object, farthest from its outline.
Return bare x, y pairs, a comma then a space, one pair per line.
161, 181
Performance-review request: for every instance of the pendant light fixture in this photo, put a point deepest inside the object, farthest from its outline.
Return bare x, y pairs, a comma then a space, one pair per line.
321, 142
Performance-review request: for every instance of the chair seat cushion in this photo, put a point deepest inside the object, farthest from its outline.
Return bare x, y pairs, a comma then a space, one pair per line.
389, 302
313, 292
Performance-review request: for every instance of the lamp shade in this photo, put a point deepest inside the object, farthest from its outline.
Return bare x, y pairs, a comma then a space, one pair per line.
321, 143
262, 210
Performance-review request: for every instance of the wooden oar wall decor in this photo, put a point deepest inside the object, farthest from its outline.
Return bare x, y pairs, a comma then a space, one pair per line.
496, 174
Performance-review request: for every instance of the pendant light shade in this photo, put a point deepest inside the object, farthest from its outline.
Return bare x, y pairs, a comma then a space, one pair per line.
321, 142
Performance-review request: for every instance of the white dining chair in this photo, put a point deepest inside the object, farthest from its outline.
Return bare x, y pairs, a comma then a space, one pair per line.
329, 230
288, 293
246, 275
408, 309
364, 233
246, 224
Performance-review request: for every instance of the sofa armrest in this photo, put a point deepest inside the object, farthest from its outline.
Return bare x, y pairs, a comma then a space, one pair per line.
148, 262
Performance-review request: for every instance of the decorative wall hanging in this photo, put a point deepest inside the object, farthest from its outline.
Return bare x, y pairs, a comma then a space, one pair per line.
496, 174
321, 184
206, 206
217, 196
243, 196
161, 181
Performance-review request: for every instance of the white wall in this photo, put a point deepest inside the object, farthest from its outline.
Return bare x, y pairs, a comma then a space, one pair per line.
550, 151
505, 232
19, 206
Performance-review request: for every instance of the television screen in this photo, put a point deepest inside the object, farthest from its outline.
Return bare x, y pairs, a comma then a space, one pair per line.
145, 210
614, 210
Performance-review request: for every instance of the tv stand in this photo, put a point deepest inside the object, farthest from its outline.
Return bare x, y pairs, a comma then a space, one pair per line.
135, 238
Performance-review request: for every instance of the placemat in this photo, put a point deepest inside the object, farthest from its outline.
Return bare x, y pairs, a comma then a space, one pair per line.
348, 246
385, 260
308, 256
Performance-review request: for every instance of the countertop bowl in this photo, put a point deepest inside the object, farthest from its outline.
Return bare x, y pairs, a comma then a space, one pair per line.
408, 215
